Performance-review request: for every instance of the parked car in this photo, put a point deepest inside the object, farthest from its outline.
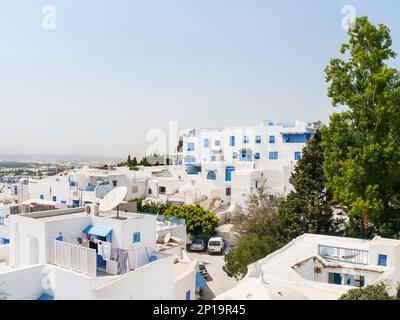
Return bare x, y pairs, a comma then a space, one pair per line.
216, 245
198, 245
203, 270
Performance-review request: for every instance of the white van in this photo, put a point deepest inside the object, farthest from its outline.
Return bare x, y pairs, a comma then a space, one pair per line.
216, 245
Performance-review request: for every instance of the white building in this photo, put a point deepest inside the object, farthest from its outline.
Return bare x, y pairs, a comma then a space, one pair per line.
319, 267
234, 160
79, 187
79, 254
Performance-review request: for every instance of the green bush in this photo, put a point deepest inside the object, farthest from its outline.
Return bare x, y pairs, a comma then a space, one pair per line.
151, 207
198, 220
371, 292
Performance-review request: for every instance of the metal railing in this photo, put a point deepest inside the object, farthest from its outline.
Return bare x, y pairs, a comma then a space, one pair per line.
73, 257
355, 256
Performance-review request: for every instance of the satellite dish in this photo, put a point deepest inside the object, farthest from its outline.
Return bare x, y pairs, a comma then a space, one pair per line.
113, 199
167, 237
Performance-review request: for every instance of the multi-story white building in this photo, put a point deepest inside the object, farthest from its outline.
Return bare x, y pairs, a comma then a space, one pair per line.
87, 185
81, 254
319, 267
235, 160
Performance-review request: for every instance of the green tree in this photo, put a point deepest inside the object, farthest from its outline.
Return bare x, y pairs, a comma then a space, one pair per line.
134, 161
371, 292
259, 215
198, 220
145, 162
362, 144
251, 248
307, 209
129, 159
259, 235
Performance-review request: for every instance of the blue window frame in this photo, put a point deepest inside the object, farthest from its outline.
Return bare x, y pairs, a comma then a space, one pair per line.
54, 198
296, 137
273, 155
190, 146
206, 143
136, 237
246, 139
382, 260
41, 197
63, 201
211, 175
188, 295
246, 155
271, 139
232, 141
297, 155
235, 155
270, 123
228, 173
257, 156
258, 139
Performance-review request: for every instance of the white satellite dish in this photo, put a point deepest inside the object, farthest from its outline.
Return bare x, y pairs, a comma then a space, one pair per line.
167, 237
113, 199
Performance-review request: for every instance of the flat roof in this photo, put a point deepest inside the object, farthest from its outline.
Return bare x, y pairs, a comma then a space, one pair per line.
277, 267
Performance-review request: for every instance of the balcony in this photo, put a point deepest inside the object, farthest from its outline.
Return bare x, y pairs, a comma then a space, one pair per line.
354, 256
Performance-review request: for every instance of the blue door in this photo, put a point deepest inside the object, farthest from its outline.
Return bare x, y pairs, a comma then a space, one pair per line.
228, 173
337, 279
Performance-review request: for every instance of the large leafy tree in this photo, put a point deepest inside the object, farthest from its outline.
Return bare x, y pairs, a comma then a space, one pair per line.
256, 225
198, 220
362, 144
251, 248
307, 208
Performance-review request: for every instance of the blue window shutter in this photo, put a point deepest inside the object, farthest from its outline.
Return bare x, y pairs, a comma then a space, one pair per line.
297, 155
232, 141
206, 143
382, 260
271, 139
258, 139
257, 156
136, 237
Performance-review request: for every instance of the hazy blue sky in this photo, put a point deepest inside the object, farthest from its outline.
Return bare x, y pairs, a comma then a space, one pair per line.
112, 70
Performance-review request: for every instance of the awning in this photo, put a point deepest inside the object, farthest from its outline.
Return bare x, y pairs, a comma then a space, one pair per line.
200, 281
96, 230
46, 297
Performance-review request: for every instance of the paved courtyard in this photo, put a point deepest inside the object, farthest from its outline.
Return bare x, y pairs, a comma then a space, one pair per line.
217, 281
